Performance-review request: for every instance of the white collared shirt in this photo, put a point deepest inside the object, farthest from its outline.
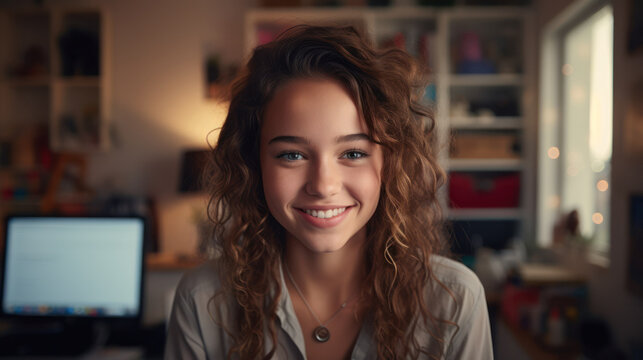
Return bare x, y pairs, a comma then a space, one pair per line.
193, 332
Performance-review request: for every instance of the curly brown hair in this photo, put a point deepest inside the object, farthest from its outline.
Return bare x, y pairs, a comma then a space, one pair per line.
406, 229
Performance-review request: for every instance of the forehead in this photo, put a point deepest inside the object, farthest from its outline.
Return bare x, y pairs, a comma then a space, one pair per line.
311, 108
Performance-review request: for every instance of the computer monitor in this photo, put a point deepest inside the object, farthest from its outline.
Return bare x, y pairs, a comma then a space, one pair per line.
73, 267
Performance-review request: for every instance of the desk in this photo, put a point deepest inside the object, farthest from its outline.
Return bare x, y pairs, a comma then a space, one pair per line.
110, 353
169, 261
164, 270
530, 299
528, 346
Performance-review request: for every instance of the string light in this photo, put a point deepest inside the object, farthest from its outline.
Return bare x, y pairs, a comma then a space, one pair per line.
597, 218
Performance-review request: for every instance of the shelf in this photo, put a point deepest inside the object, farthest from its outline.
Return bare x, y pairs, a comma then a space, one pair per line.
486, 122
534, 348
484, 165
404, 13
79, 81
288, 15
533, 274
29, 202
44, 35
485, 214
487, 13
166, 261
325, 14
487, 80
38, 81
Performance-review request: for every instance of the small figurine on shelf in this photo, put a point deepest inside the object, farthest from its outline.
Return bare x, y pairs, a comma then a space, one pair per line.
218, 77
567, 230
569, 243
555, 328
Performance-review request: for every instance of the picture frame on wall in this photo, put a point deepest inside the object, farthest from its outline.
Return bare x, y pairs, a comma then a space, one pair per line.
635, 265
635, 27
633, 124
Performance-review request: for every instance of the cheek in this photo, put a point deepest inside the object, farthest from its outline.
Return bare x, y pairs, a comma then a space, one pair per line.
376, 178
269, 183
366, 184
277, 188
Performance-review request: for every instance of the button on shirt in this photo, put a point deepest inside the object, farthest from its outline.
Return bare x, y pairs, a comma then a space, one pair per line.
195, 329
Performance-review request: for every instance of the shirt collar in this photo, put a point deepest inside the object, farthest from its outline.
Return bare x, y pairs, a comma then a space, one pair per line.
286, 315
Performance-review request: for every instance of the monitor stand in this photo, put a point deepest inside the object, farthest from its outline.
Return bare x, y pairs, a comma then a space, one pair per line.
49, 337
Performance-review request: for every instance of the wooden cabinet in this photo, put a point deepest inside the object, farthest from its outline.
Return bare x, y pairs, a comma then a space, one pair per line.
482, 88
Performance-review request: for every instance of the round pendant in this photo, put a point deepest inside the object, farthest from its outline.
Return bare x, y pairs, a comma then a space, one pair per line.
321, 334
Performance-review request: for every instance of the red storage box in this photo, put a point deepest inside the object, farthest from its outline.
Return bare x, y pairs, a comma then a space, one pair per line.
484, 190
515, 300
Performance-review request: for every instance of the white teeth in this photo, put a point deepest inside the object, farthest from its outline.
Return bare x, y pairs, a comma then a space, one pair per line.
321, 214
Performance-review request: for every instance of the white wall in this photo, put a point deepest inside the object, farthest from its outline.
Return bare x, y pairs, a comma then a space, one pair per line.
158, 103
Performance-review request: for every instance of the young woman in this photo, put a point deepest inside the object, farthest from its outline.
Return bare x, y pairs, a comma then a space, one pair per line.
328, 230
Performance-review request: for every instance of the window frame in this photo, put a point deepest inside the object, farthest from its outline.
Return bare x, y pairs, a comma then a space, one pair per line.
550, 119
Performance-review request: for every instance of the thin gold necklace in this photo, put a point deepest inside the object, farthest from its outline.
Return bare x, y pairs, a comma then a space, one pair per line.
321, 333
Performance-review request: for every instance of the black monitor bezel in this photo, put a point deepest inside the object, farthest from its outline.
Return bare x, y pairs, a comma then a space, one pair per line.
79, 318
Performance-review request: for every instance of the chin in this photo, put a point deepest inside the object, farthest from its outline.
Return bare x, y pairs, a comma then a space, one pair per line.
324, 245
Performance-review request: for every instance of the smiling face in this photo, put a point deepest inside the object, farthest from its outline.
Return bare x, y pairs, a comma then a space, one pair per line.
321, 172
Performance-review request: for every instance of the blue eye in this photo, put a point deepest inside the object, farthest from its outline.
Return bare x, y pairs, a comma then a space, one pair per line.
354, 155
290, 156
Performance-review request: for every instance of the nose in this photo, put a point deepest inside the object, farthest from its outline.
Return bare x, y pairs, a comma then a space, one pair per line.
324, 179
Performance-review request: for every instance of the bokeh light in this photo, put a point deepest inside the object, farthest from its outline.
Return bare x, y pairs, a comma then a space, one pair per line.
597, 218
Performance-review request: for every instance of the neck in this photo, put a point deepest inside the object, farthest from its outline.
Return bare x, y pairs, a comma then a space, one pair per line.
328, 278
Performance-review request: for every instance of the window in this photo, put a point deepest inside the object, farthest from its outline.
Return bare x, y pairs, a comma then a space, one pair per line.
575, 145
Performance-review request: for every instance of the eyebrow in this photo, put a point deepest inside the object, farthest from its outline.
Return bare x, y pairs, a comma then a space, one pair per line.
353, 137
301, 140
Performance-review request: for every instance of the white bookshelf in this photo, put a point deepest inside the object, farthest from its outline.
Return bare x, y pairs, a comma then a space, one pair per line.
48, 96
485, 214
486, 122
484, 165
